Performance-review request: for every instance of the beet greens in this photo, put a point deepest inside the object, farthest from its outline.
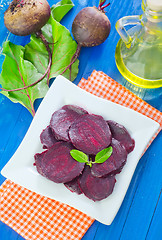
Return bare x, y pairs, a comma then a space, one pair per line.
43, 50
25, 17
22, 66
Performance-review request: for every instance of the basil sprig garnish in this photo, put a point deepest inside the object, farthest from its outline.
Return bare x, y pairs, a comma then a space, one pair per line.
100, 157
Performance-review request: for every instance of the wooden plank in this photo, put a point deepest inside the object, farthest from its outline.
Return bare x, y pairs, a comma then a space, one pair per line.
6, 233
90, 234
144, 202
9, 114
14, 126
154, 231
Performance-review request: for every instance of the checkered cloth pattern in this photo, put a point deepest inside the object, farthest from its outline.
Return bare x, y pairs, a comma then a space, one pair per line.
36, 217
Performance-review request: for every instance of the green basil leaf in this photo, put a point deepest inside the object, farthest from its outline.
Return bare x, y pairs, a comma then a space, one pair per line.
79, 156
103, 155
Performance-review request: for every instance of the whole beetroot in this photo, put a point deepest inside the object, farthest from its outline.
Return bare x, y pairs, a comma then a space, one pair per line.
91, 27
24, 17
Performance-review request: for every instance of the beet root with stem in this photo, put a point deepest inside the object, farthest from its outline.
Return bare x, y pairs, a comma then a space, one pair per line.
90, 28
25, 17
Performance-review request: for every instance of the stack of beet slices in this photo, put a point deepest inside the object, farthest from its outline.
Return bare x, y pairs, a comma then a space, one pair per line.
72, 127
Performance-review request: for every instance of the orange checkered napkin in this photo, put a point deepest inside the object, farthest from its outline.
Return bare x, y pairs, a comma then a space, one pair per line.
103, 86
36, 217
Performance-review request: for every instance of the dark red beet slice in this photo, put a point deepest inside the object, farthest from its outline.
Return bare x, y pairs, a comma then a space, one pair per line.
62, 119
96, 188
47, 137
73, 186
120, 133
90, 133
58, 165
115, 162
38, 161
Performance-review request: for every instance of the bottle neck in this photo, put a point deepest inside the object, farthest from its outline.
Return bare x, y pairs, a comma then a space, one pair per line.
152, 20
152, 15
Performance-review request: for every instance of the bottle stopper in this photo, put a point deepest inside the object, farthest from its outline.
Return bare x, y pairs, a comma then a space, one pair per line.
155, 5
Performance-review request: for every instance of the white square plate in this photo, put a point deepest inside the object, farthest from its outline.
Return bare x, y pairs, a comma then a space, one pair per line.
20, 168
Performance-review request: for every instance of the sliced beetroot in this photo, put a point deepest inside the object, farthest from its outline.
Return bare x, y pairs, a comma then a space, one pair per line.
73, 186
38, 161
58, 165
47, 137
120, 133
62, 119
115, 162
96, 188
90, 133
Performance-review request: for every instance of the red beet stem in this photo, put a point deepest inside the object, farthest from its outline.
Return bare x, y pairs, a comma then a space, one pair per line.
102, 8
101, 4
38, 34
73, 59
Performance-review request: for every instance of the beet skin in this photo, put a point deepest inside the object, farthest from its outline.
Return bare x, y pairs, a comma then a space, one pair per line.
91, 27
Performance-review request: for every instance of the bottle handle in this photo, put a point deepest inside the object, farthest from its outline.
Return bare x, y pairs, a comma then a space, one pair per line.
125, 21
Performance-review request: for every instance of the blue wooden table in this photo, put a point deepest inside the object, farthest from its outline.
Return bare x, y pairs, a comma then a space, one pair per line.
140, 216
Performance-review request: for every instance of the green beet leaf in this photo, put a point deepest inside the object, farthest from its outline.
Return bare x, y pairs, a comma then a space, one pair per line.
62, 46
35, 51
79, 156
25, 65
60, 9
103, 155
18, 73
101, 1
63, 50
